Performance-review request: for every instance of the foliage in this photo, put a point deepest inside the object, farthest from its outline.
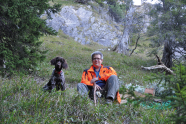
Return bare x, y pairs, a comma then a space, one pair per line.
168, 27
117, 11
21, 27
79, 59
175, 91
99, 2
21, 101
178, 83
64, 2
82, 1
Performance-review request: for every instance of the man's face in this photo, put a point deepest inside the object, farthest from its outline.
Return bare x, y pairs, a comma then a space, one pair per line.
97, 61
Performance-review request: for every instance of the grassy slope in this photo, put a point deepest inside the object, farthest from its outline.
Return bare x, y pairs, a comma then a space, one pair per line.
79, 58
23, 101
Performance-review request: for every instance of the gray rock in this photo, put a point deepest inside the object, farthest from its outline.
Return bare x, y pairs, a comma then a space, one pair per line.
84, 27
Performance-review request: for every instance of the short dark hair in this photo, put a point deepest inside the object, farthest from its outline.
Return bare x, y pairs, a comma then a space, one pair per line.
97, 53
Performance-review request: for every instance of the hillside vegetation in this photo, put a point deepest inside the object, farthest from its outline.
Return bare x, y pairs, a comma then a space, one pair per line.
22, 99
79, 58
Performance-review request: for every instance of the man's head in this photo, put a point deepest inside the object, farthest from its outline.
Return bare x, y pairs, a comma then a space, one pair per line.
97, 59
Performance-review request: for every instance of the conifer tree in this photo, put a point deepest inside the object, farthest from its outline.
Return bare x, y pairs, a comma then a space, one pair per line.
178, 83
176, 93
21, 26
168, 28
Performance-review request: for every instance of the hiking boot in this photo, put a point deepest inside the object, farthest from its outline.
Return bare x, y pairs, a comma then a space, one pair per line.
109, 101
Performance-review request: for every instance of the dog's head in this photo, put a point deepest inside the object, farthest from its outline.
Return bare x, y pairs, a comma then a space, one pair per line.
59, 63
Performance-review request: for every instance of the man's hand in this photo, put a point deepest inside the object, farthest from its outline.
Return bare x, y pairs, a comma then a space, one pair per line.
94, 79
97, 87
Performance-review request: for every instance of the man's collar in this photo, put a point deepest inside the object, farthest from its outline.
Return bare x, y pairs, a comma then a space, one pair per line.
92, 68
95, 68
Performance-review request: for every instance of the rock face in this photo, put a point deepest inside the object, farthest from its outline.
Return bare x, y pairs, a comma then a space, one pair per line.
87, 24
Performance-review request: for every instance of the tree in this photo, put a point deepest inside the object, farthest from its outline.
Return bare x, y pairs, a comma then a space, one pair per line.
122, 46
20, 28
133, 23
175, 92
117, 9
168, 27
178, 83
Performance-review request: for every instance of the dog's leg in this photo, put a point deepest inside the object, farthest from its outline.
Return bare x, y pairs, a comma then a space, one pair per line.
57, 86
63, 86
48, 86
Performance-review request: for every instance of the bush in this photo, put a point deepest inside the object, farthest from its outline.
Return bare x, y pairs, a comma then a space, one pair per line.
99, 2
82, 1
117, 10
177, 84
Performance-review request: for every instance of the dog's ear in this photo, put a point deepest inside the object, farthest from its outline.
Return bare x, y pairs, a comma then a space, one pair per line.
53, 61
64, 64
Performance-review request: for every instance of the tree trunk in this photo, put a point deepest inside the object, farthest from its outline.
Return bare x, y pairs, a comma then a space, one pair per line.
167, 54
123, 44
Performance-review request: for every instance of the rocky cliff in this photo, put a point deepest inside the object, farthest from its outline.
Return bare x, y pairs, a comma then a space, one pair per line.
86, 24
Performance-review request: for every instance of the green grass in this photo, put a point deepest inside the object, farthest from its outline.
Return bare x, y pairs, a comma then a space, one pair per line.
79, 58
24, 102
22, 99
65, 2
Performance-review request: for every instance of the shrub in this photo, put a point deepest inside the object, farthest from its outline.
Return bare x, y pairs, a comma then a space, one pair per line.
117, 11
82, 1
99, 2
175, 86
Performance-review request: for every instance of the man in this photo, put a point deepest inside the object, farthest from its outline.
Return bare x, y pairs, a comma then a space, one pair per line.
104, 77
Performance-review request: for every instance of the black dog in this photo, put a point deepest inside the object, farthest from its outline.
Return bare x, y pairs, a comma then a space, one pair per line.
57, 79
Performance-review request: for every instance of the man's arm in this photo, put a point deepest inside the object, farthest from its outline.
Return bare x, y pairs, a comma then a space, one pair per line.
85, 80
105, 76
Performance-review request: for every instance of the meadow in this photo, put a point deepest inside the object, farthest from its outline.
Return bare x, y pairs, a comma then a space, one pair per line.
22, 99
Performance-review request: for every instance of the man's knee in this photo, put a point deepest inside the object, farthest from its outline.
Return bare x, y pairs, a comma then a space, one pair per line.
113, 82
113, 79
80, 86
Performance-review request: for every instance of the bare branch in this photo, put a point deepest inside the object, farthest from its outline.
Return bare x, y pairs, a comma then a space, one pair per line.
136, 44
159, 66
159, 61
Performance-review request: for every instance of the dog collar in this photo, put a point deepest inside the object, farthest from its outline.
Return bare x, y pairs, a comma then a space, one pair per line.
58, 72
